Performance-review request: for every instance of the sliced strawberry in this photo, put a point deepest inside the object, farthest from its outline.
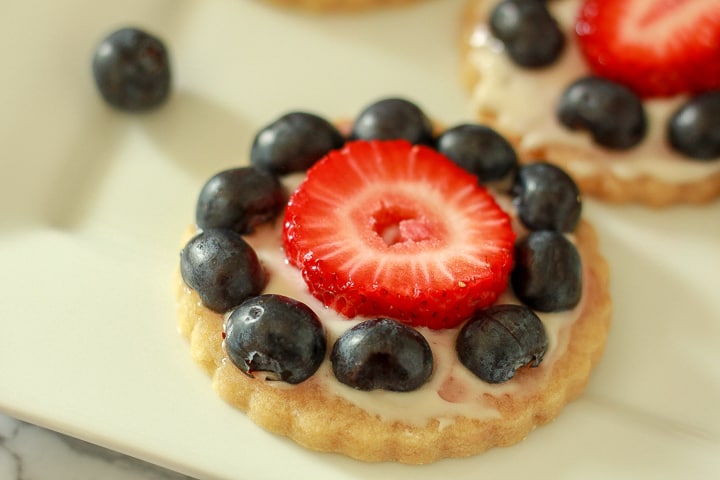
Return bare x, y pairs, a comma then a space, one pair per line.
656, 48
395, 230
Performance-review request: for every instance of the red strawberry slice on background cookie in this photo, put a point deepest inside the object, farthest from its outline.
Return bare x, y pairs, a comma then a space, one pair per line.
655, 47
396, 230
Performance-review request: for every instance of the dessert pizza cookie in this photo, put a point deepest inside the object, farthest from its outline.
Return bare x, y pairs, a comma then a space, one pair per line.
365, 294
616, 92
339, 5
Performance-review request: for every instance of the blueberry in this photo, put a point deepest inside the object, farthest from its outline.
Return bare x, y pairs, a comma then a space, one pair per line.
531, 36
694, 129
293, 143
498, 340
546, 198
275, 334
391, 119
239, 199
222, 268
612, 113
548, 272
132, 70
382, 354
479, 150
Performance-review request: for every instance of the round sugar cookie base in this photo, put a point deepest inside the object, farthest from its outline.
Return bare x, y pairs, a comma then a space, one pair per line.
319, 420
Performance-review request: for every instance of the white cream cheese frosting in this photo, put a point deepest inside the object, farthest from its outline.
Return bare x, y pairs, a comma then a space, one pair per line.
452, 390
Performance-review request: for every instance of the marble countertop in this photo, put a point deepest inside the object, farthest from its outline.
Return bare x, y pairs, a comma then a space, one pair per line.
28, 452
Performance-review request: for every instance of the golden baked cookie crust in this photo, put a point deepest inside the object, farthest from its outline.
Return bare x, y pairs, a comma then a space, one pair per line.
320, 420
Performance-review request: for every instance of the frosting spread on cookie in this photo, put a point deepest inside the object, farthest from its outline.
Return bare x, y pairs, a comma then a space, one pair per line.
452, 390
523, 102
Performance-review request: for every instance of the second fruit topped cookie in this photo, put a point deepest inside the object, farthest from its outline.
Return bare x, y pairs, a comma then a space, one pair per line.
624, 95
393, 306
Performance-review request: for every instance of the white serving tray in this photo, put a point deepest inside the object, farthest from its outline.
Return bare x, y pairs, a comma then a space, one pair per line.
94, 202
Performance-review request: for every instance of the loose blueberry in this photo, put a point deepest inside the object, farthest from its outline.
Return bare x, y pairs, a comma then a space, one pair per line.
498, 340
239, 199
132, 70
222, 268
548, 272
293, 143
275, 334
391, 119
546, 198
382, 354
528, 30
612, 113
694, 129
479, 150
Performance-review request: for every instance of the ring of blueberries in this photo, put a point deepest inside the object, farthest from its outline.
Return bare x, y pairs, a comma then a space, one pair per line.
613, 114
223, 269
282, 337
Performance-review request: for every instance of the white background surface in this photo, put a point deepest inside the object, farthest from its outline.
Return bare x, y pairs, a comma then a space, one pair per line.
29, 452
93, 203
